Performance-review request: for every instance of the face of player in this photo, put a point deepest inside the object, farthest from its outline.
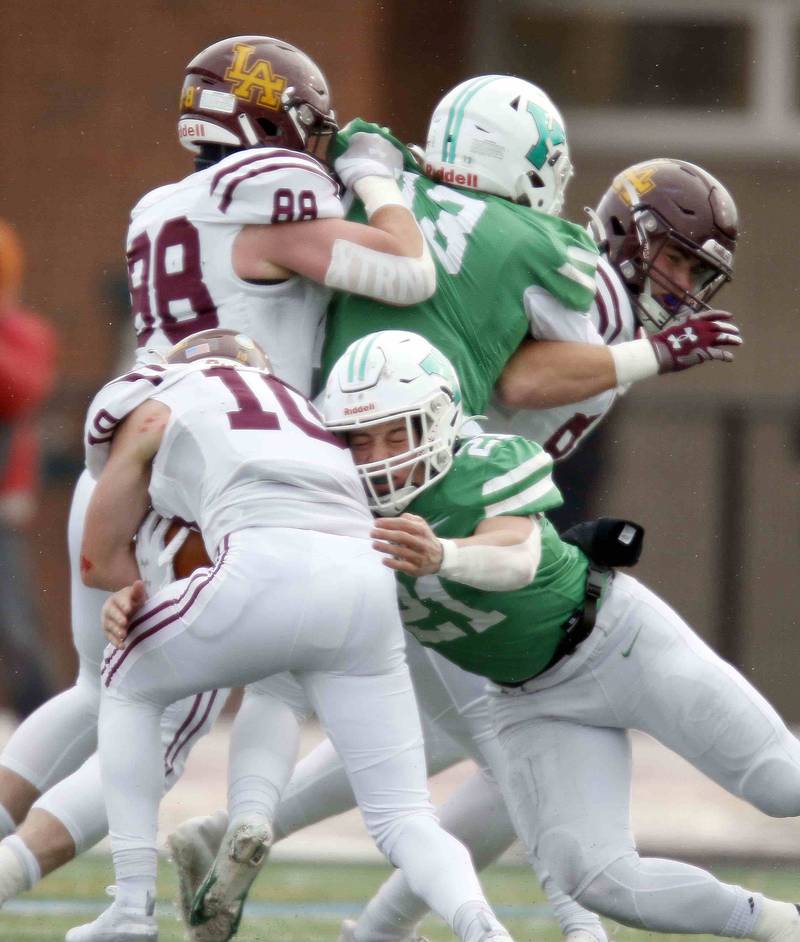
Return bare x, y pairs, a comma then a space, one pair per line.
675, 276
382, 442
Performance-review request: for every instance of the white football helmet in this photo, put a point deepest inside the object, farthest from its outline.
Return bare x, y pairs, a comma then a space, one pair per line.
390, 375
502, 135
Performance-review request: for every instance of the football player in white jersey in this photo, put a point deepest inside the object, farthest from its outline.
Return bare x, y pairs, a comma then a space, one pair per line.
672, 230
667, 232
214, 437
253, 240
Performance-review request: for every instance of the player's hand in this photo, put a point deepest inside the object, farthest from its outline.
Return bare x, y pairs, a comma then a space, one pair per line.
409, 544
154, 555
118, 609
368, 155
701, 337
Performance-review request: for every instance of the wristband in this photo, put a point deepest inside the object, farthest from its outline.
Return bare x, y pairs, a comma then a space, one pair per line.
377, 192
634, 360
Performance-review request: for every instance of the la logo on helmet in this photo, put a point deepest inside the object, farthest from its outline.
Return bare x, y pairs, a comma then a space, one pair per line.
259, 77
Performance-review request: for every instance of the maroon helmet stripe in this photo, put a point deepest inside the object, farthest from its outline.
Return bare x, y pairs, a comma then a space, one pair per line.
205, 580
271, 152
227, 197
194, 731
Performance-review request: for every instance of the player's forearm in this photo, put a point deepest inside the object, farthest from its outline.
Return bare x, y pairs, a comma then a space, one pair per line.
116, 510
502, 555
547, 373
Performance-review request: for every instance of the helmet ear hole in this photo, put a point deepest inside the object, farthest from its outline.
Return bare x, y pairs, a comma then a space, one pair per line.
269, 127
616, 226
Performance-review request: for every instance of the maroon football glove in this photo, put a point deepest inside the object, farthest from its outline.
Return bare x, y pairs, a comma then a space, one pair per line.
699, 338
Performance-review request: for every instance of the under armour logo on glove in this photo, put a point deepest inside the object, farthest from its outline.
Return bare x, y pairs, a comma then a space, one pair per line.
699, 338
676, 342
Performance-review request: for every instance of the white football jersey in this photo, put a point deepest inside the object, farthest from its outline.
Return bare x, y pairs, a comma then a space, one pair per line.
241, 449
610, 320
179, 250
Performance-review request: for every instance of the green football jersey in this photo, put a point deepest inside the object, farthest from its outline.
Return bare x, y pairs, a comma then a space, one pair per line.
505, 636
488, 252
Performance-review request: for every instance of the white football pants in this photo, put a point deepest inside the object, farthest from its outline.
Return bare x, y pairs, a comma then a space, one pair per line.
53, 748
323, 607
569, 763
456, 723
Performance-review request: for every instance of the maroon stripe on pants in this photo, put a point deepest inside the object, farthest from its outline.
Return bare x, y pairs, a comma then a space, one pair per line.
186, 604
191, 715
192, 733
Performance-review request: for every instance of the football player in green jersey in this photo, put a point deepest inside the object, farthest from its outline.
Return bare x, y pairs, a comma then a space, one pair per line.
487, 582
486, 192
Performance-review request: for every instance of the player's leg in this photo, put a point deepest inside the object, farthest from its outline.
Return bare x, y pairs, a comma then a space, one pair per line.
702, 708
475, 813
58, 737
372, 722
568, 788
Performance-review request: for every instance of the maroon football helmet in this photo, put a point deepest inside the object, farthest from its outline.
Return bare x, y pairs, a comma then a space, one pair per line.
660, 205
254, 91
219, 342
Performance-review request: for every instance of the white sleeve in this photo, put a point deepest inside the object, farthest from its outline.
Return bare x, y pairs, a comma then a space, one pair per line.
550, 320
265, 186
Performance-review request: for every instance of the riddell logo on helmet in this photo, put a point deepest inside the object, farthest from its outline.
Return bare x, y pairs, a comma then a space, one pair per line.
450, 176
191, 130
367, 407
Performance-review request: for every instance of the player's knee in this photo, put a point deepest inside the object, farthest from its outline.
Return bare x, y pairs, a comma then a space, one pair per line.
394, 833
773, 786
566, 859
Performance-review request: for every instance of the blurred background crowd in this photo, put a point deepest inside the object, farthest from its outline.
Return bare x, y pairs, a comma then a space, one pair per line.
708, 462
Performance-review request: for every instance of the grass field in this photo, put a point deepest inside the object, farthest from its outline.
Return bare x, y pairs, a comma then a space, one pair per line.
294, 902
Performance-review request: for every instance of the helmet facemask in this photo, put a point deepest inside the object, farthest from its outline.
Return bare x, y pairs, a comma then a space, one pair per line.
658, 300
392, 483
397, 378
670, 229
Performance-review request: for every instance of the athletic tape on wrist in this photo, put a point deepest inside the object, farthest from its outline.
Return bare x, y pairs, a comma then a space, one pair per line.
492, 568
377, 192
634, 360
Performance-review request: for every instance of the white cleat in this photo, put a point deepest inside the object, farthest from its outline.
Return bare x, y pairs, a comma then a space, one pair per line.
218, 904
193, 847
118, 924
348, 934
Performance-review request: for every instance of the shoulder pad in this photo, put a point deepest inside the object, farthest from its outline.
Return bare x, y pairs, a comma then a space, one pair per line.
502, 474
564, 260
269, 185
115, 401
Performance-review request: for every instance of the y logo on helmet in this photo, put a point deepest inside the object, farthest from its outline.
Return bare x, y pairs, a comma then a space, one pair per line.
641, 180
257, 77
551, 134
433, 364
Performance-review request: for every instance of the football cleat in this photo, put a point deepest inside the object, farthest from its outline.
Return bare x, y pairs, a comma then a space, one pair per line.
118, 924
348, 934
219, 902
193, 847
